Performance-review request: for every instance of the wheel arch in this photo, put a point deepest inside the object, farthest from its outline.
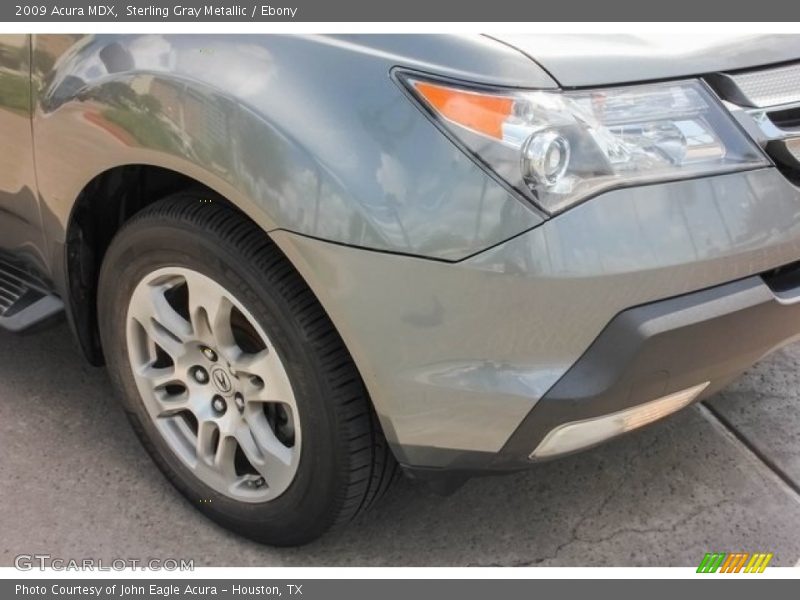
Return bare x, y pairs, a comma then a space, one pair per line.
304, 133
101, 208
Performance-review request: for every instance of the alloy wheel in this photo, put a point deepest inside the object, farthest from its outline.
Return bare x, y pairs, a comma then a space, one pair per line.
213, 384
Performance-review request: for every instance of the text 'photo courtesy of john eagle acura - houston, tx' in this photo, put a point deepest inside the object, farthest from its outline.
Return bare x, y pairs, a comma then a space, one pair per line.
314, 264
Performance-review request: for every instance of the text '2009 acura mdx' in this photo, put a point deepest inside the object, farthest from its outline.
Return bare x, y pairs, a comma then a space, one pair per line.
311, 263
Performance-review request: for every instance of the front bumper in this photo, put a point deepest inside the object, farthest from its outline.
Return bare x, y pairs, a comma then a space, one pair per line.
682, 349
471, 363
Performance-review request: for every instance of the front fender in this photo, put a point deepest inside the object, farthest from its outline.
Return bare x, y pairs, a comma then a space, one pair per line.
305, 134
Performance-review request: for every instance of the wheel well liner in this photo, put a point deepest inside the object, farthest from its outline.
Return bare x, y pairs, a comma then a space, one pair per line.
109, 200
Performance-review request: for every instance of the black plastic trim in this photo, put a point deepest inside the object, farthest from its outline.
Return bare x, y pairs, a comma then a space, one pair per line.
657, 349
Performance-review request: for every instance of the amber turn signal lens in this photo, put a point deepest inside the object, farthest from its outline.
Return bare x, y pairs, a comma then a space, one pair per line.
483, 113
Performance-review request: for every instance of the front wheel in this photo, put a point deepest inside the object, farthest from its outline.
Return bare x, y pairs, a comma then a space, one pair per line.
233, 376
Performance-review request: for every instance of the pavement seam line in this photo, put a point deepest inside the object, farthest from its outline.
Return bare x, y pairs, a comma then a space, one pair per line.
727, 429
749, 449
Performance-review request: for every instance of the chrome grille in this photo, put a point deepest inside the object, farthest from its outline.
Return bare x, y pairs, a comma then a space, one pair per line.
767, 104
770, 87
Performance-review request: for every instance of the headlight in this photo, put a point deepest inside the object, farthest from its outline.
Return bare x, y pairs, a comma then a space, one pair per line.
558, 148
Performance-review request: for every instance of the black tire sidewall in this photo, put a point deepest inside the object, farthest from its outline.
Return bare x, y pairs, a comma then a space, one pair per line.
309, 506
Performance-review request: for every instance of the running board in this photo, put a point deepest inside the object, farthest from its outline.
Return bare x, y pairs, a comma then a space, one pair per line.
24, 299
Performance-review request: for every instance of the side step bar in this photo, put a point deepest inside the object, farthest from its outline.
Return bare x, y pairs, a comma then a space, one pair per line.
24, 298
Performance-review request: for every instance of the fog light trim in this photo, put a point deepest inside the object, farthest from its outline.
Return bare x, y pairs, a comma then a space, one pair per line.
577, 435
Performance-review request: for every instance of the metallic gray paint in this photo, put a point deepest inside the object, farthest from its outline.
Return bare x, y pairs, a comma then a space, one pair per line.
455, 355
307, 134
20, 224
312, 138
580, 60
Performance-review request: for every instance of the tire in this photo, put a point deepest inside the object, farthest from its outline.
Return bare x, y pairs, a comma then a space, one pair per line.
343, 464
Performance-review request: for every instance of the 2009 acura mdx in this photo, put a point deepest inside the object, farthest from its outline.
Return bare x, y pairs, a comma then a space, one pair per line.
306, 260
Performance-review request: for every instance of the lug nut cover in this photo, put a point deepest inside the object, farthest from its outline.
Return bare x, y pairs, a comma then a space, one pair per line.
200, 375
218, 404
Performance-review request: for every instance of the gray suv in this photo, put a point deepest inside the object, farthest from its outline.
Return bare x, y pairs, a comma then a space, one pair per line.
311, 263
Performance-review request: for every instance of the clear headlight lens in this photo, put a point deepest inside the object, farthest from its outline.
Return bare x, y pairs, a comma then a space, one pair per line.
559, 148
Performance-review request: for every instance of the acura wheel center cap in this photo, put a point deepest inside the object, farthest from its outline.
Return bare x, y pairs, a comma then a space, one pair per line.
222, 380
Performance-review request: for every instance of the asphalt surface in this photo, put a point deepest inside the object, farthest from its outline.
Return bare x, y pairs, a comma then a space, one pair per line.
725, 476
